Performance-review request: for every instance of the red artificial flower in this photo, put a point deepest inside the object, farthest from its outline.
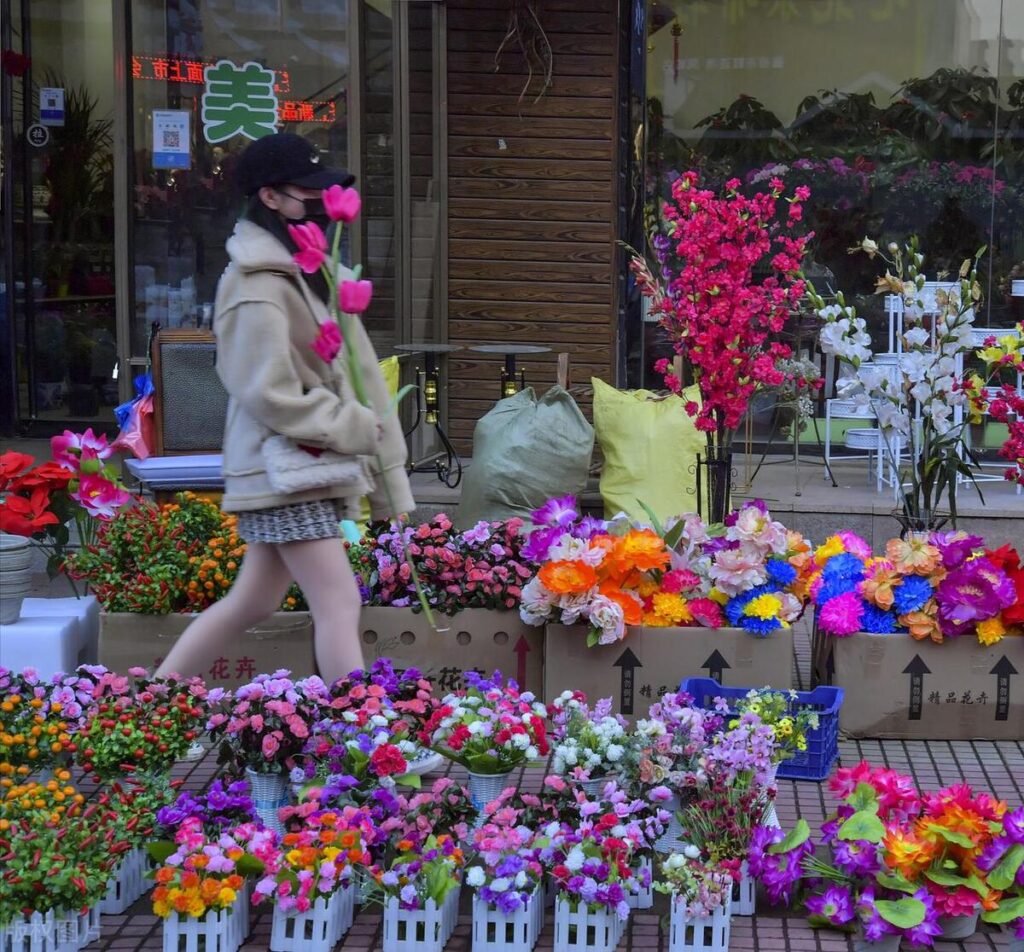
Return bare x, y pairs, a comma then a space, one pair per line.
25, 516
14, 63
12, 465
387, 760
459, 735
49, 474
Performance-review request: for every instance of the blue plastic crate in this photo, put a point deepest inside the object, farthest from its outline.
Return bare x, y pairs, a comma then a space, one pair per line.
822, 743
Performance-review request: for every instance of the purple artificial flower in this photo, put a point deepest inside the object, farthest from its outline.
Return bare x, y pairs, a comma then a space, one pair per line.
975, 591
856, 858
955, 547
875, 927
1013, 825
925, 933
588, 527
557, 513
760, 840
479, 534
538, 544
835, 905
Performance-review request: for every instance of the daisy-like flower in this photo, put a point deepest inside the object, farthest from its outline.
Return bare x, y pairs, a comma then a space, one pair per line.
913, 556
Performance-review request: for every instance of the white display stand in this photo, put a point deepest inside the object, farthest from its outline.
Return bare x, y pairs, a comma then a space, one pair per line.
37, 933
583, 930
643, 898
47, 643
85, 609
710, 934
420, 930
744, 894
493, 931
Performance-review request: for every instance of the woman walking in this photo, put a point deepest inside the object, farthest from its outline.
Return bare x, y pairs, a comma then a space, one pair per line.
267, 317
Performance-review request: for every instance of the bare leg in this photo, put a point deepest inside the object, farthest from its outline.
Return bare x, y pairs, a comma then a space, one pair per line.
322, 570
256, 594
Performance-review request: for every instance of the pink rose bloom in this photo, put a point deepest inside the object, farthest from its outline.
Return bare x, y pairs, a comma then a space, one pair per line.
270, 746
737, 570
256, 722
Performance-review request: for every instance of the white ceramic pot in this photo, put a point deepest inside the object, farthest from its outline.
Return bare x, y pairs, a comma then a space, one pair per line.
15, 576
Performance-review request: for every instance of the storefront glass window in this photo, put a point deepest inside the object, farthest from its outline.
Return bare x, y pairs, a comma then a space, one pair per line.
184, 206
901, 116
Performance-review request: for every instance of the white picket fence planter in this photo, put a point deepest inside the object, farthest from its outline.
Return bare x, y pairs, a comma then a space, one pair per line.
644, 897
493, 931
66, 931
583, 930
127, 884
672, 841
710, 934
317, 930
420, 930
89, 926
221, 931
36, 933
744, 894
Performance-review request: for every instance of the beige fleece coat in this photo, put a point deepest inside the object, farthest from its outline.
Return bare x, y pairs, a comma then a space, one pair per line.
265, 321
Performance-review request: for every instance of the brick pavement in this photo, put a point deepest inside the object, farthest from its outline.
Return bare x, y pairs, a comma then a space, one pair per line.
994, 767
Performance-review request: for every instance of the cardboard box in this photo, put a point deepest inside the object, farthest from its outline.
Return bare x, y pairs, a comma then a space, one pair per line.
635, 672
285, 640
476, 639
897, 687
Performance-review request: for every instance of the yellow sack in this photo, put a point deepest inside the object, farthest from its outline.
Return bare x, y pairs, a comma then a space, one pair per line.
649, 444
392, 375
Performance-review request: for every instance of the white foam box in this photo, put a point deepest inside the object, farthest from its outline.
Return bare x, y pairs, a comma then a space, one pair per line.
47, 643
86, 609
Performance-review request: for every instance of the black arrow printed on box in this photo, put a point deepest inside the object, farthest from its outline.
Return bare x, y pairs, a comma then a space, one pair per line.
917, 669
628, 662
1004, 670
716, 666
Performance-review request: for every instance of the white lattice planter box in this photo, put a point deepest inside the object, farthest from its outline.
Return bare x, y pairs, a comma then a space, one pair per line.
493, 931
585, 930
420, 930
710, 934
643, 898
66, 931
89, 926
127, 883
35, 933
744, 893
220, 931
317, 930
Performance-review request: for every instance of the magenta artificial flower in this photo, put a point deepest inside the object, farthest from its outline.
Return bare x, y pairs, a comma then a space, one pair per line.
971, 593
99, 497
556, 513
69, 448
312, 244
328, 341
341, 204
354, 296
679, 580
955, 547
842, 615
854, 544
835, 905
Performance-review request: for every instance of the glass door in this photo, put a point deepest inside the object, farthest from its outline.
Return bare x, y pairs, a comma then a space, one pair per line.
58, 281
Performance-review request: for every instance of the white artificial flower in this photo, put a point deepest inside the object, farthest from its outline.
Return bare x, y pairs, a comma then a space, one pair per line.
615, 752
607, 616
500, 885
575, 860
691, 852
531, 753
520, 879
476, 877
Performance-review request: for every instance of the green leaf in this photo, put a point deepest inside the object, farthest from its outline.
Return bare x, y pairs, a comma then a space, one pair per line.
902, 913
674, 534
796, 837
655, 521
248, 865
401, 395
1006, 911
410, 780
862, 826
864, 798
950, 836
159, 851
1005, 873
895, 881
942, 878
592, 638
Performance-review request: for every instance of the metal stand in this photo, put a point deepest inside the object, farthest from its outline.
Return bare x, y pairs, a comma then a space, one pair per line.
512, 379
446, 464
795, 458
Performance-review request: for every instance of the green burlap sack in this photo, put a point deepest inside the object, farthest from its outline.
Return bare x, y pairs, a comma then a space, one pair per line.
649, 445
525, 451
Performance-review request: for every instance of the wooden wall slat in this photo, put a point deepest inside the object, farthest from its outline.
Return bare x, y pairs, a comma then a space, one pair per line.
531, 224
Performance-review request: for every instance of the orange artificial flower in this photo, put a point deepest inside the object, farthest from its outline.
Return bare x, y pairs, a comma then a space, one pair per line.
567, 578
880, 587
643, 549
906, 853
913, 556
632, 607
923, 624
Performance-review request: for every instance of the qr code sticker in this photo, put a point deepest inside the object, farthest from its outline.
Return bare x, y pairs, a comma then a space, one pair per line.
172, 139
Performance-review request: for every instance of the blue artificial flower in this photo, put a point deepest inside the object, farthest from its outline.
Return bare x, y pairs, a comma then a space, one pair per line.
780, 572
911, 594
833, 588
762, 627
735, 607
877, 621
843, 566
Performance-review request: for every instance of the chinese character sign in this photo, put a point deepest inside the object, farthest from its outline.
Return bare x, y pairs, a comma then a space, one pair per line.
238, 100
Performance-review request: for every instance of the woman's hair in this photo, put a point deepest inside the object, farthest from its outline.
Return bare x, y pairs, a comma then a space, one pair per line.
269, 220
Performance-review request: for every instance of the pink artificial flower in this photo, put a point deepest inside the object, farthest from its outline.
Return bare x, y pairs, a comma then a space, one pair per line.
312, 245
270, 746
341, 204
737, 570
99, 497
854, 544
354, 296
69, 448
328, 341
842, 615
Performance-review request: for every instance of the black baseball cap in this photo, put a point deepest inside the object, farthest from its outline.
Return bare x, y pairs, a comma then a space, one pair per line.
286, 159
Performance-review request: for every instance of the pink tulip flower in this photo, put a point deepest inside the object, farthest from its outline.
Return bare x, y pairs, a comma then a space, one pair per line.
99, 497
342, 204
328, 342
312, 245
354, 296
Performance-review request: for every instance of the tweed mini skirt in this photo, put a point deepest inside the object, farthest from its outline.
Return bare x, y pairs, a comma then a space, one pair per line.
301, 522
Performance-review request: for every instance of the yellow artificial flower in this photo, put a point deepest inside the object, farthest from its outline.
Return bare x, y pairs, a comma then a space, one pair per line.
672, 607
764, 607
716, 595
991, 630
833, 545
